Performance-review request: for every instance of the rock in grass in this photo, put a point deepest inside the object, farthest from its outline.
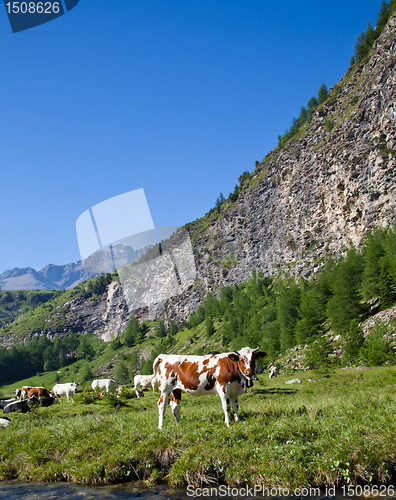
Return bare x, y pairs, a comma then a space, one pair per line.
4, 421
293, 381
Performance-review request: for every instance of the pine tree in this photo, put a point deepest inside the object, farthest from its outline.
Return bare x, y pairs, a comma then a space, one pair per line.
370, 37
234, 195
318, 356
303, 117
344, 305
312, 103
160, 332
121, 373
373, 253
312, 312
360, 47
387, 289
353, 342
132, 332
133, 363
209, 327
172, 328
84, 349
293, 127
376, 348
220, 201
86, 373
390, 250
244, 177
287, 304
383, 16
322, 94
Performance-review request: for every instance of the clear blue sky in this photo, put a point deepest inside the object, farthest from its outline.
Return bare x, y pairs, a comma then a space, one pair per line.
176, 97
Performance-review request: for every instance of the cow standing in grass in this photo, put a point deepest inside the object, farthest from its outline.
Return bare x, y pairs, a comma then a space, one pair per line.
104, 383
65, 389
226, 374
142, 381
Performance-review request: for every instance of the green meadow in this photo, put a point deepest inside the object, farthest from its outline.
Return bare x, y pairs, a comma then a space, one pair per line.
337, 430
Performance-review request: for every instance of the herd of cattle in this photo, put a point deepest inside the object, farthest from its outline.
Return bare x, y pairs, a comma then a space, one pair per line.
226, 374
28, 396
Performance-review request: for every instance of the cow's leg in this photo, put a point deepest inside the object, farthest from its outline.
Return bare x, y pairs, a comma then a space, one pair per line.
226, 407
175, 403
235, 407
162, 404
67, 396
137, 393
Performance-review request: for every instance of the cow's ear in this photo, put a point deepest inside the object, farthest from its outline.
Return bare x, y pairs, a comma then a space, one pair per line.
260, 354
233, 356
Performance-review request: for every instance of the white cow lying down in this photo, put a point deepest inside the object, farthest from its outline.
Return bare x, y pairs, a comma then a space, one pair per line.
104, 383
68, 389
142, 381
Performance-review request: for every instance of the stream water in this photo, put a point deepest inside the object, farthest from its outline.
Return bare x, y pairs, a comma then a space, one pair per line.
139, 490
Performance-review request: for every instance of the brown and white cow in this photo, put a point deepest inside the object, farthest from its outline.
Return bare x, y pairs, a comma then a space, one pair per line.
225, 374
39, 392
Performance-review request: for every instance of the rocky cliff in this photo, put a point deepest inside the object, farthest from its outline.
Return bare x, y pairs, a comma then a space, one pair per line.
317, 195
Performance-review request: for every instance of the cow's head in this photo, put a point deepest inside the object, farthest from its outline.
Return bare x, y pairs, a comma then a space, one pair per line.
247, 360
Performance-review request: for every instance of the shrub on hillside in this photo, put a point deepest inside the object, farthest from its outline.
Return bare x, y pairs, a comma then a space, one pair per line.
376, 349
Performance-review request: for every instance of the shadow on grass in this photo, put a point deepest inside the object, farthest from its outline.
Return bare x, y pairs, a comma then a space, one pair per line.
275, 390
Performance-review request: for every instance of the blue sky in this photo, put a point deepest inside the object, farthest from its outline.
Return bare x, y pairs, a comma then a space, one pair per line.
175, 97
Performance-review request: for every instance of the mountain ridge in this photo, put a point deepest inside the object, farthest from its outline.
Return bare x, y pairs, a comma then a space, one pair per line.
60, 277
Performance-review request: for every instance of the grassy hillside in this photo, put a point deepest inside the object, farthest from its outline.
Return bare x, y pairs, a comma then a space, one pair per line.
14, 304
109, 355
37, 310
336, 430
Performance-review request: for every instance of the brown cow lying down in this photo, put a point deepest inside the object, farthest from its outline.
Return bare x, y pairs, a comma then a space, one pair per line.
226, 374
39, 392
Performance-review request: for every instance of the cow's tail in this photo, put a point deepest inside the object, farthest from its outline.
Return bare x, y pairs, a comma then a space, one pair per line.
156, 362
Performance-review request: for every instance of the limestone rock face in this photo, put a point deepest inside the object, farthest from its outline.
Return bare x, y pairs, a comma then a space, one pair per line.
105, 315
316, 196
